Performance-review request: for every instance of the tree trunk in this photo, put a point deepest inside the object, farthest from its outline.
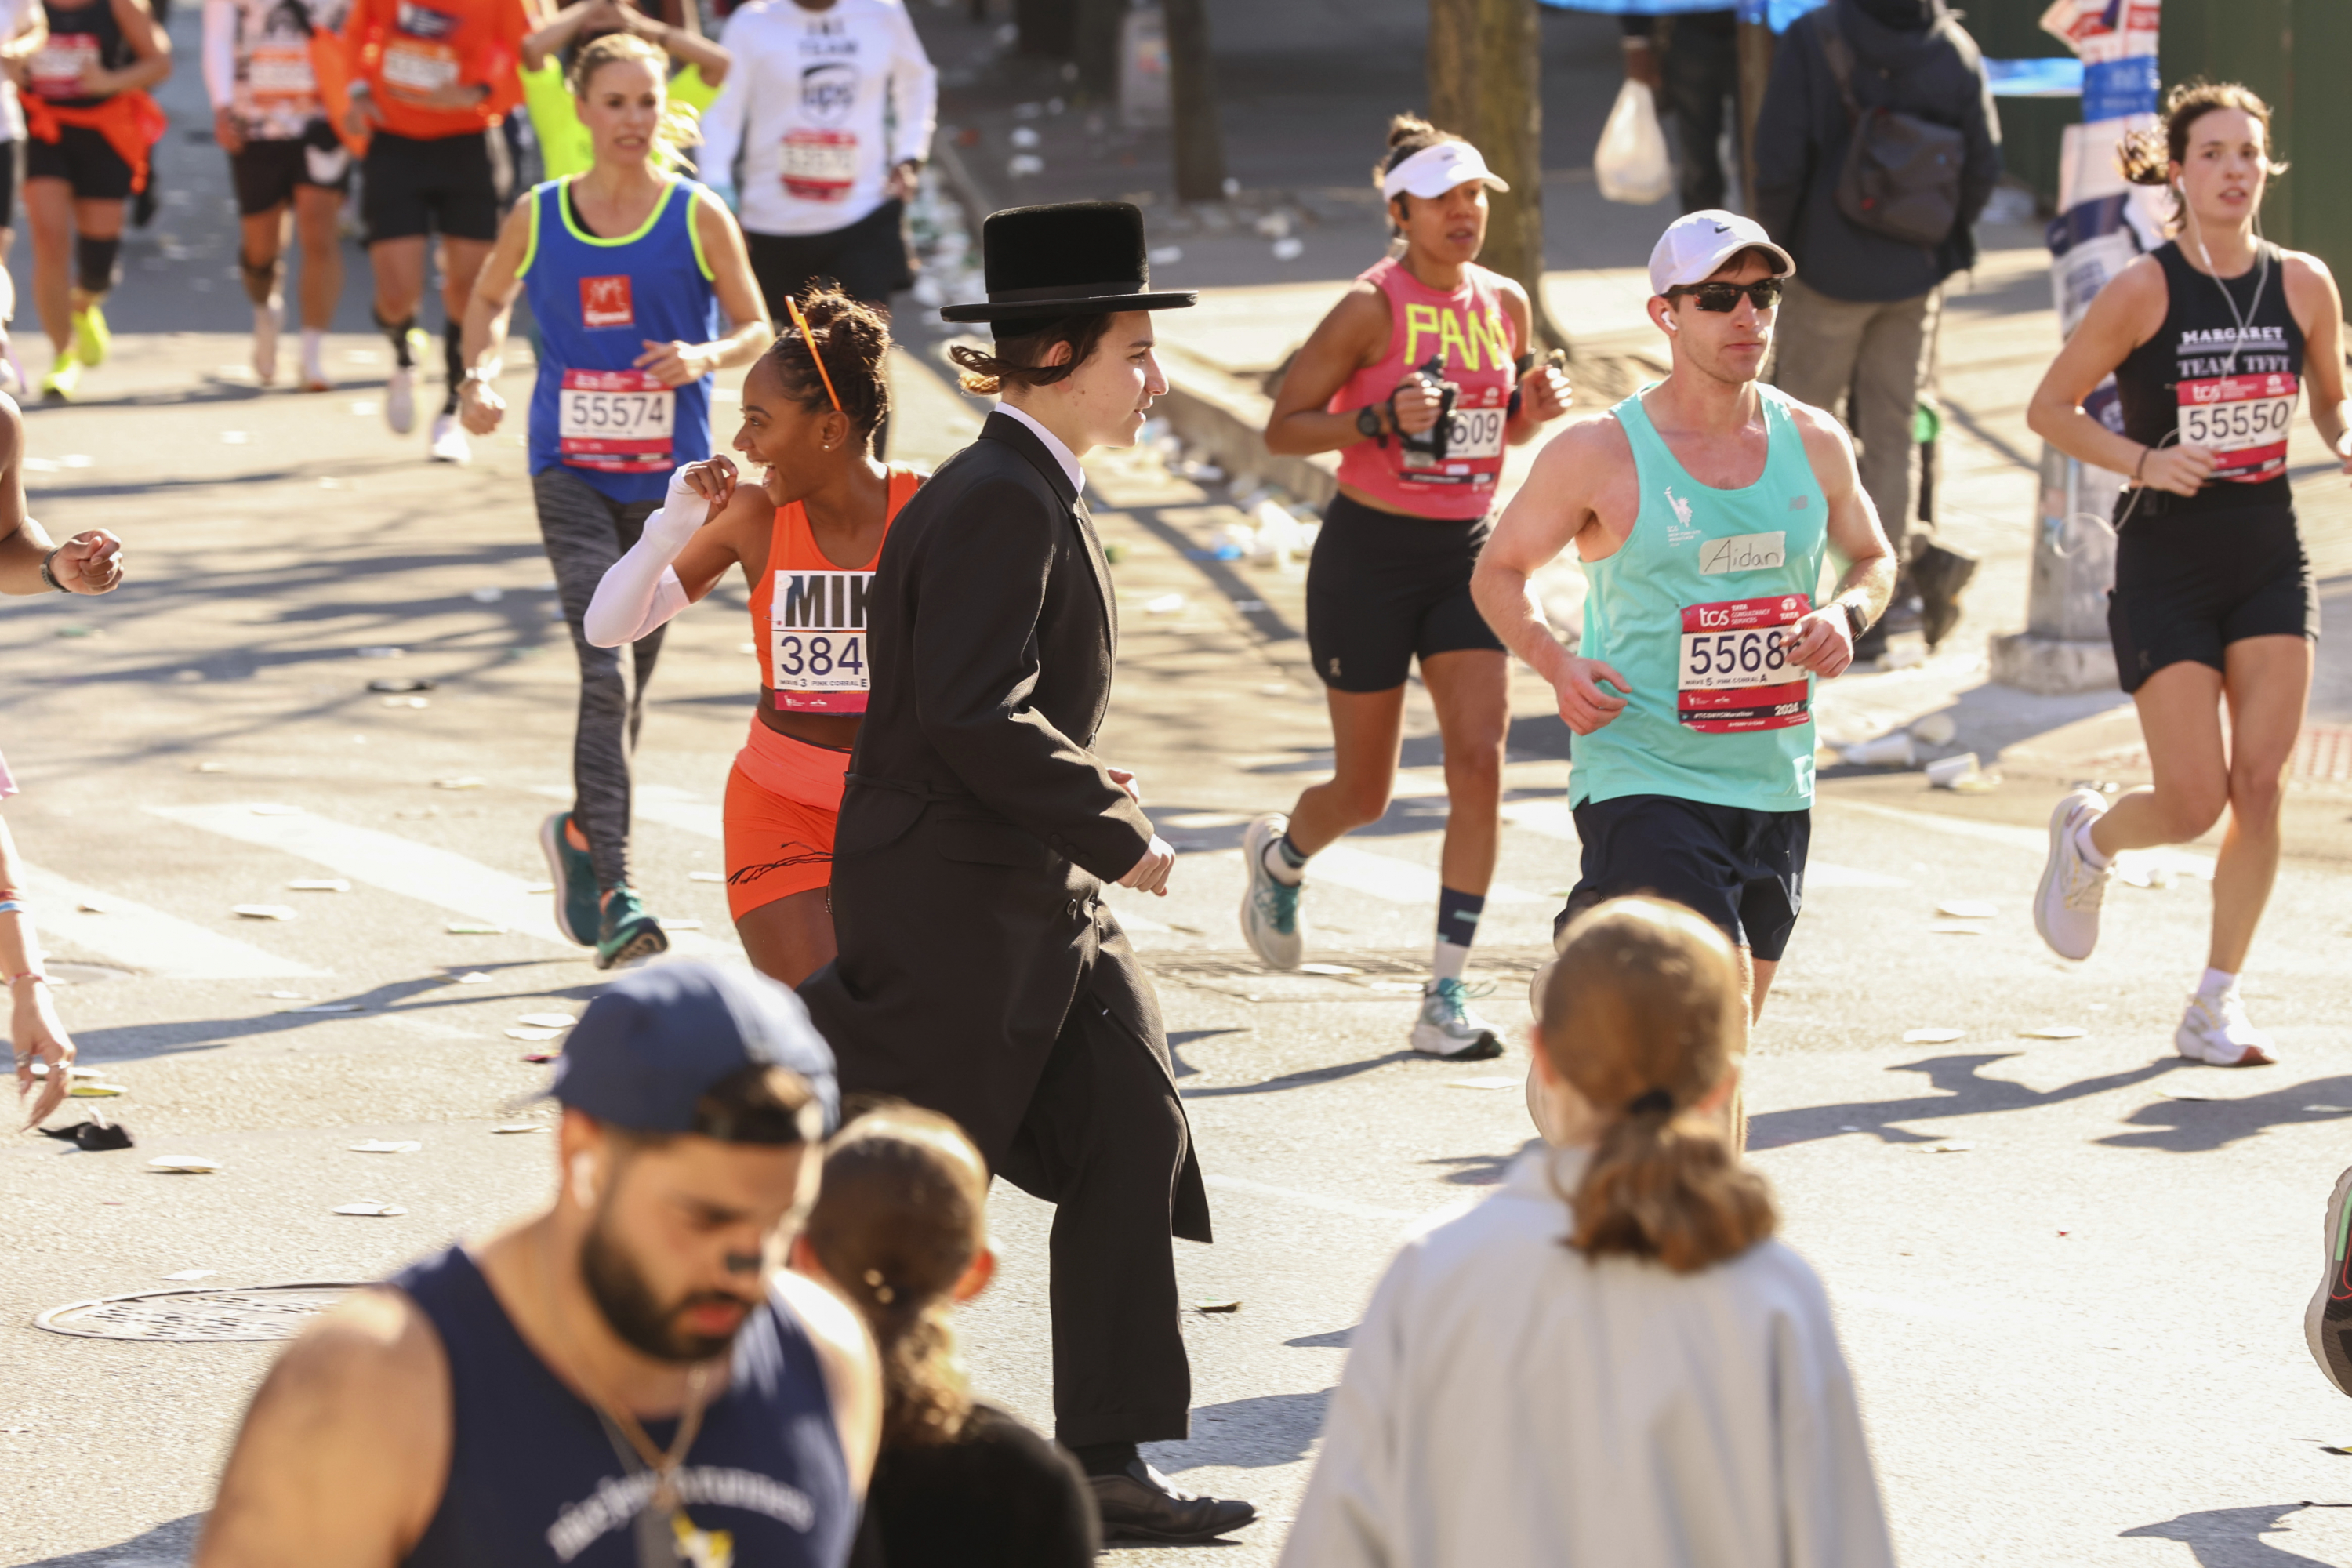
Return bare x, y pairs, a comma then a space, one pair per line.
1485, 72
1200, 143
1095, 48
1049, 27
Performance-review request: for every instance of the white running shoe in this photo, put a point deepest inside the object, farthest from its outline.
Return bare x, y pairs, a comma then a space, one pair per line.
449, 443
2216, 1031
1270, 921
1449, 1029
266, 321
400, 401
2067, 909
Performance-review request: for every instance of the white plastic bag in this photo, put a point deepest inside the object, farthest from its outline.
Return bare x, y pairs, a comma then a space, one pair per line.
1630, 163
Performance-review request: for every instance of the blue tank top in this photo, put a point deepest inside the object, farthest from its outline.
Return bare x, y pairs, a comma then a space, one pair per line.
597, 302
534, 1477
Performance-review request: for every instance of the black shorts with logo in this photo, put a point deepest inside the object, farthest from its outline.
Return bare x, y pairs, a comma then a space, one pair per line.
82, 158
2188, 585
1742, 869
266, 173
1384, 588
867, 260
450, 186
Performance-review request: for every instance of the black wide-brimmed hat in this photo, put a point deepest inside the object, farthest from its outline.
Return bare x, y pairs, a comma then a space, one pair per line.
1070, 259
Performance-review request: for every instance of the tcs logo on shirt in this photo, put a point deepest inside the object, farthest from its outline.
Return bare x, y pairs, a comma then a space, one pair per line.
607, 302
1443, 328
424, 22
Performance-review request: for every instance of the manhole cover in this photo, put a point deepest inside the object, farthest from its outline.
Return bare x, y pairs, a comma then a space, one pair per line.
264, 1312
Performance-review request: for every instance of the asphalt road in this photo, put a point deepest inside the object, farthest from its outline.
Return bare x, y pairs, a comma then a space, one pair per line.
2069, 1272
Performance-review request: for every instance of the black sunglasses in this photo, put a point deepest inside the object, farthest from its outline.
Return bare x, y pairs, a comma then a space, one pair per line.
1722, 299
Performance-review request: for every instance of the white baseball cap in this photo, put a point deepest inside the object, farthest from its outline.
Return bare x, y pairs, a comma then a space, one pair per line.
1433, 171
1696, 244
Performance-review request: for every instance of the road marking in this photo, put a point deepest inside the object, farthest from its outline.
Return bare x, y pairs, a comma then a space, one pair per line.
1827, 874
1552, 818
149, 939
1399, 881
2036, 839
1308, 1200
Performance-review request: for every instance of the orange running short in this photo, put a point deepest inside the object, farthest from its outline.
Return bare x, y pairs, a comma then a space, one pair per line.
784, 797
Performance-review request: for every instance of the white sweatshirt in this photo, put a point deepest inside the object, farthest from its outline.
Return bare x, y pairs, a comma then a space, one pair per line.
256, 58
1508, 1404
817, 109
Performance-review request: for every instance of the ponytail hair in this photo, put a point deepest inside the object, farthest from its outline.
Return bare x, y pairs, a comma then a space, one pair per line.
2148, 156
899, 1217
1644, 1018
853, 340
678, 129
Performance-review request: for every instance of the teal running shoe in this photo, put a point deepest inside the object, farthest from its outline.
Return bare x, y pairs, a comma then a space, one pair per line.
627, 934
574, 876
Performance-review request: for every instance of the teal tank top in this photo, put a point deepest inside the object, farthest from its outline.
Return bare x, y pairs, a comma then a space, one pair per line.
1693, 610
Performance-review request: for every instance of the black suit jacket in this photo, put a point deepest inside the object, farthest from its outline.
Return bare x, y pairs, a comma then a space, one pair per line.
978, 827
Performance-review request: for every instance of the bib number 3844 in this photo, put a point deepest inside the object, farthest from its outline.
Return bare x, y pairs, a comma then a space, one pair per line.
1734, 674
615, 421
817, 646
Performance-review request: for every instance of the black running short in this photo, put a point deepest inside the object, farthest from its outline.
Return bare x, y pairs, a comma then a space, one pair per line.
265, 172
1744, 871
450, 186
867, 260
1383, 588
2188, 586
83, 159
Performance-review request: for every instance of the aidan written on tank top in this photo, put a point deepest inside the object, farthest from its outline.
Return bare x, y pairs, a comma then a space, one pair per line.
534, 1477
1468, 340
808, 613
2224, 373
1694, 609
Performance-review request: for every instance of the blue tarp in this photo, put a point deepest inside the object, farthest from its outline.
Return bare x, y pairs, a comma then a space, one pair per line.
2057, 76
1780, 13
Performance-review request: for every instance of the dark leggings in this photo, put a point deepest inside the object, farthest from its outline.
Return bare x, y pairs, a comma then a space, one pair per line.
585, 531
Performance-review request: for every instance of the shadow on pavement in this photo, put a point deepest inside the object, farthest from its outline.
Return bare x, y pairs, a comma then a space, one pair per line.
2231, 1536
2199, 1126
1247, 1433
1961, 1091
166, 1546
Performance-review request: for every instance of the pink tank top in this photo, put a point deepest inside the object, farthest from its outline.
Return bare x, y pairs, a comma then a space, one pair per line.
1473, 339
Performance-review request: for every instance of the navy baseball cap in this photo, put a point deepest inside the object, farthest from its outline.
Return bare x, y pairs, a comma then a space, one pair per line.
657, 1040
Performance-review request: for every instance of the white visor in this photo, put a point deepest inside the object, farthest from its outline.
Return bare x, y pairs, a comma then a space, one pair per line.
1433, 171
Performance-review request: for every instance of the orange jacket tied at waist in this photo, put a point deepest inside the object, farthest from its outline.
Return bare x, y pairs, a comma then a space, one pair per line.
131, 122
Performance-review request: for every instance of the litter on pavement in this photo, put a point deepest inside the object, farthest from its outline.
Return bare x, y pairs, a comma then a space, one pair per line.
188, 1164
533, 1035
1932, 1037
370, 1211
520, 1127
190, 1276
1494, 1082
467, 783
1216, 1306
268, 809
1327, 969
474, 928
2053, 1032
318, 885
1967, 909
263, 911
706, 876
385, 1146
473, 977
547, 1020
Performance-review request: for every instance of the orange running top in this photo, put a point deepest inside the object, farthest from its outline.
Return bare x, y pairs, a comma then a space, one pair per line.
406, 49
808, 614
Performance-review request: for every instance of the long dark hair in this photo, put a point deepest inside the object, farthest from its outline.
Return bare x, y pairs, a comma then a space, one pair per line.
1644, 1018
899, 1217
2148, 156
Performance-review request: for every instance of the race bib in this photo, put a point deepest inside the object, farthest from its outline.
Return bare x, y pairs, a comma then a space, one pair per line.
1735, 675
615, 421
419, 68
819, 165
1474, 449
57, 69
2243, 420
817, 640
281, 73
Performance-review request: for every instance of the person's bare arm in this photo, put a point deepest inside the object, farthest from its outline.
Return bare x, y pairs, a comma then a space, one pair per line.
749, 333
1555, 505
1823, 641
1353, 336
853, 1371
718, 543
147, 40
343, 1454
88, 562
2314, 297
2127, 313
680, 43
488, 310
1544, 392
561, 29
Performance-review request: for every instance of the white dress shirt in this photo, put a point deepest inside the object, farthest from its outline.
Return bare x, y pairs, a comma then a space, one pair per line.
1061, 454
1508, 1404
817, 109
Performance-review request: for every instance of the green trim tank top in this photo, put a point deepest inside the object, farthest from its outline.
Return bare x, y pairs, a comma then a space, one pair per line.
1694, 609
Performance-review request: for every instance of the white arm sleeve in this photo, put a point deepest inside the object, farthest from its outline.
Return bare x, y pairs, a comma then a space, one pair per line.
220, 52
641, 591
723, 123
914, 93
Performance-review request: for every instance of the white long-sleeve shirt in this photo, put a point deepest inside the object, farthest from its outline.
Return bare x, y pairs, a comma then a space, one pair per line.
1510, 1405
256, 58
817, 109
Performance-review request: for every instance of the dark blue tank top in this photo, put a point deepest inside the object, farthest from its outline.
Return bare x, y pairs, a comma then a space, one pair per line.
534, 1479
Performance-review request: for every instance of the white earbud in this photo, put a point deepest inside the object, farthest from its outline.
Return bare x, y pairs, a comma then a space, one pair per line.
1672, 325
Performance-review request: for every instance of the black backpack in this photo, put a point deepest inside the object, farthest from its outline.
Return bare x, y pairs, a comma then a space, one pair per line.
1902, 174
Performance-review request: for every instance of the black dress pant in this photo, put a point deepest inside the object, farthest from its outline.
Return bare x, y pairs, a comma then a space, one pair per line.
1106, 1133
1701, 72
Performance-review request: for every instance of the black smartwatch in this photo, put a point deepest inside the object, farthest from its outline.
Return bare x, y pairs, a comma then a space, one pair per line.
1368, 420
1855, 618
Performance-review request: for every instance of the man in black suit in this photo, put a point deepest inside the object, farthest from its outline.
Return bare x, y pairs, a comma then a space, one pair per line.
980, 974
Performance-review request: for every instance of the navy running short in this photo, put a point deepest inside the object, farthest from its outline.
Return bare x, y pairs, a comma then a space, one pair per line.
1743, 871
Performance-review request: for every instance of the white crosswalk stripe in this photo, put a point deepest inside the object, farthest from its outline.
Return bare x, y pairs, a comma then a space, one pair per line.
148, 940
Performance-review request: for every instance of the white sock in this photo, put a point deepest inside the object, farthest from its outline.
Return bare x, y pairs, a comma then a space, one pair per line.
1449, 960
2216, 982
1280, 867
2088, 851
314, 350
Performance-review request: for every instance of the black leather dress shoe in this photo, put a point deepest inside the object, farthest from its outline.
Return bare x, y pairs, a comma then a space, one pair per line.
1139, 1504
